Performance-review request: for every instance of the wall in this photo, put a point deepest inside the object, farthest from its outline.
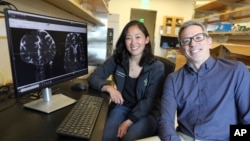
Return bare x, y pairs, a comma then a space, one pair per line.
179, 8
39, 7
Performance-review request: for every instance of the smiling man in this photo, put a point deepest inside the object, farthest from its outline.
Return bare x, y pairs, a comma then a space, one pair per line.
208, 94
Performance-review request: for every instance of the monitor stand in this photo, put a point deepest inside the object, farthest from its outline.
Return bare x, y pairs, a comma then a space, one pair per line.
50, 103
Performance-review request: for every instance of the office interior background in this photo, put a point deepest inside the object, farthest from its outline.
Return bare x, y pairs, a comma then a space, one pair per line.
118, 13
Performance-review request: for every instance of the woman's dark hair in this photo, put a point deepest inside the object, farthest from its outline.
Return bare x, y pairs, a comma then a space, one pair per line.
121, 53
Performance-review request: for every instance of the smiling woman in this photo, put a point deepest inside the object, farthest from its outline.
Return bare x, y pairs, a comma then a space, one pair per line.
139, 79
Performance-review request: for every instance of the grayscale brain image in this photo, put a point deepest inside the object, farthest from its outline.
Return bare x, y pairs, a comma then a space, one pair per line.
37, 47
42, 54
73, 51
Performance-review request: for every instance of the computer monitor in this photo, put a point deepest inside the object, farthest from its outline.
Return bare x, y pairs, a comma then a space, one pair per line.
45, 51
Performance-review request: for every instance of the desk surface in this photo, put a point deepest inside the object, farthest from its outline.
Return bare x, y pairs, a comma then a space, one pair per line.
19, 123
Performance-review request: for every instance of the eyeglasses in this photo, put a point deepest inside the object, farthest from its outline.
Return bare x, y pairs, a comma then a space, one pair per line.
197, 38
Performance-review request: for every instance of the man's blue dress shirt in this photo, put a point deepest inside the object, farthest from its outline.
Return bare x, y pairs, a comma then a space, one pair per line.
207, 102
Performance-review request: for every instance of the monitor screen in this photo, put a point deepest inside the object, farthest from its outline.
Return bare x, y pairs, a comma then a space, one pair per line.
44, 51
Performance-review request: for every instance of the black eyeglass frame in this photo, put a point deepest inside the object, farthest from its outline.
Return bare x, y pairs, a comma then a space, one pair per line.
181, 41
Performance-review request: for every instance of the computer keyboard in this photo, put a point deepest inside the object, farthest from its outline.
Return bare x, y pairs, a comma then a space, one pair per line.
81, 120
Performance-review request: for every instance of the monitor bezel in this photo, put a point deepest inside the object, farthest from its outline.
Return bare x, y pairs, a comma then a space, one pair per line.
12, 56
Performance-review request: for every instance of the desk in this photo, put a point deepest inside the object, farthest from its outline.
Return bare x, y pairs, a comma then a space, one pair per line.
20, 124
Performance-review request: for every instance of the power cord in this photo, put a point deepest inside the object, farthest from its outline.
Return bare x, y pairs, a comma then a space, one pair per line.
6, 93
4, 98
9, 5
10, 104
4, 89
8, 99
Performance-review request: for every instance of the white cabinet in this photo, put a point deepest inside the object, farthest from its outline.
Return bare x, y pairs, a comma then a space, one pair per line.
171, 25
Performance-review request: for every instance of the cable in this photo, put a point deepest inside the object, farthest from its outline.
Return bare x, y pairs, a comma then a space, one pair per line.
6, 103
8, 106
10, 6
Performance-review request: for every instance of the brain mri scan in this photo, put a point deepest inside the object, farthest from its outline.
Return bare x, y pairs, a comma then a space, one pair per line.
73, 52
37, 48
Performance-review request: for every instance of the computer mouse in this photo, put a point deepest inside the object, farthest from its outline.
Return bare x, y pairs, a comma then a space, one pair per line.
78, 87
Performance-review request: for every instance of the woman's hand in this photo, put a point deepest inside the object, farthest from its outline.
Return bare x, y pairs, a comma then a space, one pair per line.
123, 128
115, 95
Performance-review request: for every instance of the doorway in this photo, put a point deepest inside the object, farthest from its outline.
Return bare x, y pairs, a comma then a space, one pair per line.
148, 17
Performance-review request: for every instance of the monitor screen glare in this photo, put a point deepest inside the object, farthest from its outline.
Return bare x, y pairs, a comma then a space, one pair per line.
45, 51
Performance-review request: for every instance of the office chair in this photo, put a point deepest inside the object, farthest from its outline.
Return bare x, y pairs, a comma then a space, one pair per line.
169, 66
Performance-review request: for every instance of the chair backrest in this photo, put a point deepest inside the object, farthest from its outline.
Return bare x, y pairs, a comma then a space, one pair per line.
169, 65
